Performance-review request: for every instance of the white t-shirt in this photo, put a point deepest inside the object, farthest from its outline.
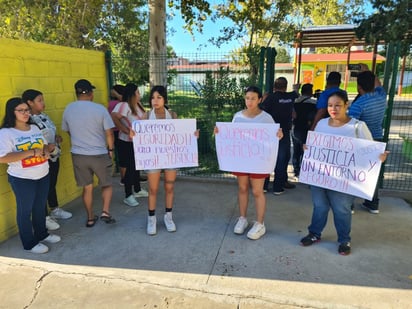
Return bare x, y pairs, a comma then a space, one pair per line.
354, 128
123, 109
13, 140
263, 117
47, 127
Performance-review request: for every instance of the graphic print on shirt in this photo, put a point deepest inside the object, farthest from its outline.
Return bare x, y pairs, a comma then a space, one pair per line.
25, 143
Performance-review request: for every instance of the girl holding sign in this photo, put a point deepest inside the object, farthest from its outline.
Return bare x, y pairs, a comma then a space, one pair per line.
123, 115
252, 114
339, 123
160, 110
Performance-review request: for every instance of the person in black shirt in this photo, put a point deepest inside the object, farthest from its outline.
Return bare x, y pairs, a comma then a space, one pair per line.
304, 113
279, 105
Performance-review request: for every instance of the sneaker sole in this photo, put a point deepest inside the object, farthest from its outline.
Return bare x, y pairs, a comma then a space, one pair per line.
372, 211
52, 228
134, 205
307, 245
255, 237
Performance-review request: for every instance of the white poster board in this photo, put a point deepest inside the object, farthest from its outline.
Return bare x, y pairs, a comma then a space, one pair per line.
345, 164
165, 143
247, 147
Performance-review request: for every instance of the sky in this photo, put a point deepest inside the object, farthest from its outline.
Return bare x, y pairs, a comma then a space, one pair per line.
184, 43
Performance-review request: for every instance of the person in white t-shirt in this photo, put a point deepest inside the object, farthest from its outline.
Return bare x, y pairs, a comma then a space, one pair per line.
252, 114
25, 150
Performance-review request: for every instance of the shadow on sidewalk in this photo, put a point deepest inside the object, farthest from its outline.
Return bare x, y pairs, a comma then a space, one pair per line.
204, 243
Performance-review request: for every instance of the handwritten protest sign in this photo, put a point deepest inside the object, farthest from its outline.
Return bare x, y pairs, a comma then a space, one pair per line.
247, 147
165, 143
341, 163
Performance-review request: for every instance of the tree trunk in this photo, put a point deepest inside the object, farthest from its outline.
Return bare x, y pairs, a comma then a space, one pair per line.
157, 42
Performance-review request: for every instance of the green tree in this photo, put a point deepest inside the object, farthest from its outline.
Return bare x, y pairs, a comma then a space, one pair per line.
328, 12
62, 22
123, 29
391, 22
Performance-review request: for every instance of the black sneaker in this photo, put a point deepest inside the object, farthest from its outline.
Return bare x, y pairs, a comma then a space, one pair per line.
279, 192
371, 208
289, 185
309, 239
344, 248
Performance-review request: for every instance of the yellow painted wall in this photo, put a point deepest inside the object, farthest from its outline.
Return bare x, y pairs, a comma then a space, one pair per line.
52, 70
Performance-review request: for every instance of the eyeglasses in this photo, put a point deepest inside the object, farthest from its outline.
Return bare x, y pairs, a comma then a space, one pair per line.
23, 111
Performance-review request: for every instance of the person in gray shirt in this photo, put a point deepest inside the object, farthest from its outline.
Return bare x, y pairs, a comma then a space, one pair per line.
90, 128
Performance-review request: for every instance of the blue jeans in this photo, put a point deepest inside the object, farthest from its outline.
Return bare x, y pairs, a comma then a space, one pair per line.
31, 196
340, 203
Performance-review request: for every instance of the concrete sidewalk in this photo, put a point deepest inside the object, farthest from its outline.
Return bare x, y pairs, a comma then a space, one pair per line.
205, 265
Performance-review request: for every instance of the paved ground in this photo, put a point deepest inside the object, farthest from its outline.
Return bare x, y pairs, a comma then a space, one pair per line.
205, 265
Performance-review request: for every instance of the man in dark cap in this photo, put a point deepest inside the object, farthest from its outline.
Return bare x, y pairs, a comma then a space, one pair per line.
90, 128
332, 85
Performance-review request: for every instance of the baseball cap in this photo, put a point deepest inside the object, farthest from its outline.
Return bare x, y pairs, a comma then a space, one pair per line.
334, 77
83, 86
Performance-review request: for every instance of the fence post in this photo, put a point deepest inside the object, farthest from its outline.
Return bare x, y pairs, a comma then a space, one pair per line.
392, 86
261, 67
270, 69
109, 69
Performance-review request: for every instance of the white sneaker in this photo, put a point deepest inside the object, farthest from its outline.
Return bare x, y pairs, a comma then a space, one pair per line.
51, 225
39, 248
240, 226
257, 231
151, 225
130, 201
168, 220
141, 193
59, 213
52, 239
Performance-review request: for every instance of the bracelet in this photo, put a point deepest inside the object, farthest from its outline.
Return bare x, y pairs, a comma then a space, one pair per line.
110, 150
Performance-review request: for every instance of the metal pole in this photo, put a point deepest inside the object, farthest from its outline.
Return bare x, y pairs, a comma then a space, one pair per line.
388, 117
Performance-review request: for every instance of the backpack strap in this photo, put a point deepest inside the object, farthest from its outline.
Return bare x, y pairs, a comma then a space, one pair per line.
356, 128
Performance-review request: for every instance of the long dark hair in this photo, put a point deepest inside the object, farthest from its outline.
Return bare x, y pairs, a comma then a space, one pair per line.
128, 93
162, 91
9, 120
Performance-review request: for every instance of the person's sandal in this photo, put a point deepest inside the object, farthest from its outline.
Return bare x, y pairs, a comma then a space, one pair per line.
106, 217
91, 222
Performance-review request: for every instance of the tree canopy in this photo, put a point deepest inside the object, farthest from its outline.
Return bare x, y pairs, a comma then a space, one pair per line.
391, 22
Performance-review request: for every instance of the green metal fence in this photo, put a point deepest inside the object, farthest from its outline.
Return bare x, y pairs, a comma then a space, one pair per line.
186, 98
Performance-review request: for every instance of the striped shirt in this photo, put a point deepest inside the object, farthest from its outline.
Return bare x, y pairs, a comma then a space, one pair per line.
370, 108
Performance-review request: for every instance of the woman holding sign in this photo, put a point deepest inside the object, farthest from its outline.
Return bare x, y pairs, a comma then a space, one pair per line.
160, 110
252, 114
123, 116
339, 123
